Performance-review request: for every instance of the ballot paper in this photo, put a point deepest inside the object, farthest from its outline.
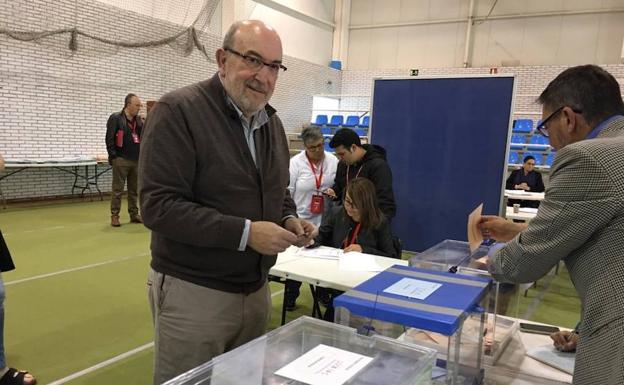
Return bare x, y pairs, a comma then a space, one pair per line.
474, 234
355, 261
325, 365
320, 252
548, 355
528, 210
413, 288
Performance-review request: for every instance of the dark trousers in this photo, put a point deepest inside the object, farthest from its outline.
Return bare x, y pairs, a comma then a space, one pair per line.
124, 169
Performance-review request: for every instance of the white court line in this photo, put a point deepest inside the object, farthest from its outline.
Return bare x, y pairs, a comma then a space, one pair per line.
73, 269
115, 359
102, 364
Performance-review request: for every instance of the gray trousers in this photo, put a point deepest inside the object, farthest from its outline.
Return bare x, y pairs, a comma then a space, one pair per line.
193, 323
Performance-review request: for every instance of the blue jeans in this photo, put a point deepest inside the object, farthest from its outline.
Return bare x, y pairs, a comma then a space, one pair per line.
2, 358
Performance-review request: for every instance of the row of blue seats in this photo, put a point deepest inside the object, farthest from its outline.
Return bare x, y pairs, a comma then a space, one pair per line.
330, 131
518, 142
338, 120
525, 126
540, 159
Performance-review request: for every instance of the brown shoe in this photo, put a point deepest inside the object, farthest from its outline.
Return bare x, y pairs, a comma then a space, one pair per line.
115, 221
136, 219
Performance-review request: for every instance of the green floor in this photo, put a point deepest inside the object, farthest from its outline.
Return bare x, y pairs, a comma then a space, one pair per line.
78, 296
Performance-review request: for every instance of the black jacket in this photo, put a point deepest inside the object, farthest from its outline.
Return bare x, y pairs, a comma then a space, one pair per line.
6, 262
533, 179
337, 226
375, 168
129, 150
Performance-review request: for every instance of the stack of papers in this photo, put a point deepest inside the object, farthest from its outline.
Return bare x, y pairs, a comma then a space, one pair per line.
548, 355
528, 210
320, 252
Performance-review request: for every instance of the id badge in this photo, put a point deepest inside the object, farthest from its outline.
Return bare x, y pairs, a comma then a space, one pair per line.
135, 138
317, 204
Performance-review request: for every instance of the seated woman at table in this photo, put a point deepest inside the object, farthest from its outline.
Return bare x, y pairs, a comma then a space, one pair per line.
358, 225
527, 179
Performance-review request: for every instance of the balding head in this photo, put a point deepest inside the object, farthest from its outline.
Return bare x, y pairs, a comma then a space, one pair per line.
249, 63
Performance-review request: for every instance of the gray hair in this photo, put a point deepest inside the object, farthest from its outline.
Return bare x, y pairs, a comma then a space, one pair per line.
311, 134
228, 39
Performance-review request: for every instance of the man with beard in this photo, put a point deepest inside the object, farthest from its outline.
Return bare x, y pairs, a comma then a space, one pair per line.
214, 178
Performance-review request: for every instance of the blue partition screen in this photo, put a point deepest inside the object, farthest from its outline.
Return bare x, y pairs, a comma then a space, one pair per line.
446, 141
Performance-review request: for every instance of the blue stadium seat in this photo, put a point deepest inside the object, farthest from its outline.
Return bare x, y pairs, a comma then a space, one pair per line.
336, 120
365, 121
517, 142
360, 131
538, 139
549, 159
514, 158
327, 148
523, 125
321, 120
538, 158
352, 121
325, 130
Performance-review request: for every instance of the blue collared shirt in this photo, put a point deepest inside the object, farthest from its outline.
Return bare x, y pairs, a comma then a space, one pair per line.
596, 131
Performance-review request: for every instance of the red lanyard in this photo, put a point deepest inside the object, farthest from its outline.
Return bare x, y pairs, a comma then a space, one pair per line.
356, 175
320, 177
132, 125
356, 231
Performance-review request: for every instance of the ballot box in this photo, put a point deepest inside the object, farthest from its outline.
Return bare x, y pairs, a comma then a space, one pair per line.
434, 309
456, 256
311, 351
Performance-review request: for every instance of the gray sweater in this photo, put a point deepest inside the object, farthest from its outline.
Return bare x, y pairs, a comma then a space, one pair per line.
198, 184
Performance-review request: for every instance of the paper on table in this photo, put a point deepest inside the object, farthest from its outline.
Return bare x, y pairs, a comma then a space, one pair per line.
413, 288
325, 365
528, 210
548, 355
320, 252
474, 234
355, 261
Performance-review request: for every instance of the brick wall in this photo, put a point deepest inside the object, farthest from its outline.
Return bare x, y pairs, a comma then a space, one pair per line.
55, 104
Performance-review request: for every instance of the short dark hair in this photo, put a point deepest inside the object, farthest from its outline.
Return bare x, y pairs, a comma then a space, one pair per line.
362, 193
528, 158
345, 137
127, 99
587, 88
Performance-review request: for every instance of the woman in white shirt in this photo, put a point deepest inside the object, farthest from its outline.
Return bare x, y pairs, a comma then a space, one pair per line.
311, 172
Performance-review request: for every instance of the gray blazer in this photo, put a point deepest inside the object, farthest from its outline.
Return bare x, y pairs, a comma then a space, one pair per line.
581, 221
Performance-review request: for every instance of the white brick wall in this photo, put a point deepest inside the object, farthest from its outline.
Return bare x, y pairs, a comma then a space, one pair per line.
531, 81
54, 103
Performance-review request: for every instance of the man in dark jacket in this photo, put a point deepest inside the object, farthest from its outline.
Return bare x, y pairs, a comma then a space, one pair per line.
214, 192
123, 138
367, 161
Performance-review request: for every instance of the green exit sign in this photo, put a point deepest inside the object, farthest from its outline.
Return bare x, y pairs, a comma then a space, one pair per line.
414, 72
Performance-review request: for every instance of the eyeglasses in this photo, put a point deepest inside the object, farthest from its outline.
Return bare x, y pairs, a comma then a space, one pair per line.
257, 63
543, 129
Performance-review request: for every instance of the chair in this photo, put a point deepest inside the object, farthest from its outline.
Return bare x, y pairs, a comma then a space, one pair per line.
549, 159
326, 130
365, 121
360, 131
542, 141
514, 158
321, 120
336, 120
523, 125
517, 142
327, 148
352, 121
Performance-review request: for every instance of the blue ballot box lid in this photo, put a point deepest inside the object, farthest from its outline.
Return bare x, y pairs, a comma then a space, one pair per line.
442, 311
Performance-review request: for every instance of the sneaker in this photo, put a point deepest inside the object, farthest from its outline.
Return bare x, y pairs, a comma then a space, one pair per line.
136, 219
115, 221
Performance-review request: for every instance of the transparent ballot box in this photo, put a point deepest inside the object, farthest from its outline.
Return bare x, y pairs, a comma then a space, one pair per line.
382, 360
455, 255
428, 308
